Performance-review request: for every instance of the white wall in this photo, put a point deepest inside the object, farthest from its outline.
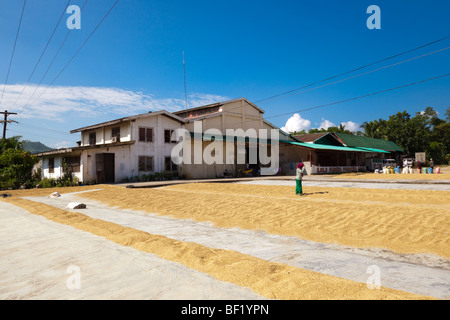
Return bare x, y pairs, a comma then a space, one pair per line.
103, 134
157, 148
123, 166
126, 157
58, 169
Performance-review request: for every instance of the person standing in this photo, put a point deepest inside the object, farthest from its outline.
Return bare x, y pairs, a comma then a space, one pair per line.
432, 165
405, 165
298, 178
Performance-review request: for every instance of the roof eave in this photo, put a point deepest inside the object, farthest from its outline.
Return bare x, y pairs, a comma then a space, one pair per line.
126, 119
221, 103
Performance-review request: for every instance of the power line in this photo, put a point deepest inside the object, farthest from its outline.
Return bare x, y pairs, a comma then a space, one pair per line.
34, 134
357, 75
45, 128
14, 50
353, 70
362, 74
51, 63
360, 97
43, 52
279, 96
79, 49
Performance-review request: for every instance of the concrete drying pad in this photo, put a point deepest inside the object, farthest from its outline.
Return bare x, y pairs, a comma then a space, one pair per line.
41, 259
370, 184
416, 273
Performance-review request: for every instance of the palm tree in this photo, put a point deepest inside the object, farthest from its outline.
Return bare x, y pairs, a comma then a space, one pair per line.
369, 129
375, 129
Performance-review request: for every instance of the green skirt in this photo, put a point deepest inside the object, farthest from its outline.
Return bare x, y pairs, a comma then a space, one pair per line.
298, 187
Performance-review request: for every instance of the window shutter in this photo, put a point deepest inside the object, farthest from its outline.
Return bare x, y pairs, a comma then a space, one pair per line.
149, 135
167, 136
115, 132
141, 134
141, 163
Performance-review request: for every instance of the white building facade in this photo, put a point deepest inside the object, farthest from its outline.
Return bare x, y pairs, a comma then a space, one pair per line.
118, 150
130, 148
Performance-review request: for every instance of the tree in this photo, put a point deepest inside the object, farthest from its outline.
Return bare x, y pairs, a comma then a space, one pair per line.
398, 129
340, 129
439, 146
297, 133
15, 164
11, 143
376, 129
425, 132
369, 128
437, 151
430, 118
317, 130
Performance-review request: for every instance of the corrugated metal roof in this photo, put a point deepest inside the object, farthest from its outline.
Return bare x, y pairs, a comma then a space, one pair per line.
310, 137
121, 120
336, 148
366, 142
320, 138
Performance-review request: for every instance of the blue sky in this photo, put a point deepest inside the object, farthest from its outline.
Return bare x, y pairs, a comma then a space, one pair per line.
252, 49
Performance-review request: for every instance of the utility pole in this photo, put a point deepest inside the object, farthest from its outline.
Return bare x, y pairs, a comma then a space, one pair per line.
6, 121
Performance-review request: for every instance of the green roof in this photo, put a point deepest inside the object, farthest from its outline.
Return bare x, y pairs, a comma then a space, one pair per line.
366, 142
330, 147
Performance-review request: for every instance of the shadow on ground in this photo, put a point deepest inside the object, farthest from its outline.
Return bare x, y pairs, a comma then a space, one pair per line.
311, 193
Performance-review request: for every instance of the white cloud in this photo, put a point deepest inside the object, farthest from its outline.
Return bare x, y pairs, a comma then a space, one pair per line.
62, 144
351, 126
61, 102
296, 123
325, 124
202, 99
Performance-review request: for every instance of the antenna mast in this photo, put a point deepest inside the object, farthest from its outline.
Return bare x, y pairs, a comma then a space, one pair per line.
184, 72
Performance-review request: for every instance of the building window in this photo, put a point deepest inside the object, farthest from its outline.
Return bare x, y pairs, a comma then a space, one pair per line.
72, 164
51, 165
146, 134
169, 165
145, 163
92, 138
168, 136
115, 133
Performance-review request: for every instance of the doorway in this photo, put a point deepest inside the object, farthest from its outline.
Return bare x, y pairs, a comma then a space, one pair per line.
105, 164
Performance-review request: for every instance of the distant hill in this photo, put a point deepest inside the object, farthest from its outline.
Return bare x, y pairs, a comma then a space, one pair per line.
35, 147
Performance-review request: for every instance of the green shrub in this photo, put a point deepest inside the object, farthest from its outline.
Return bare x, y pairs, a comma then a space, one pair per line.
48, 183
15, 168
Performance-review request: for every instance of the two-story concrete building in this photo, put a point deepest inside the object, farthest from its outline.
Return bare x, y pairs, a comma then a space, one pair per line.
115, 150
142, 144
